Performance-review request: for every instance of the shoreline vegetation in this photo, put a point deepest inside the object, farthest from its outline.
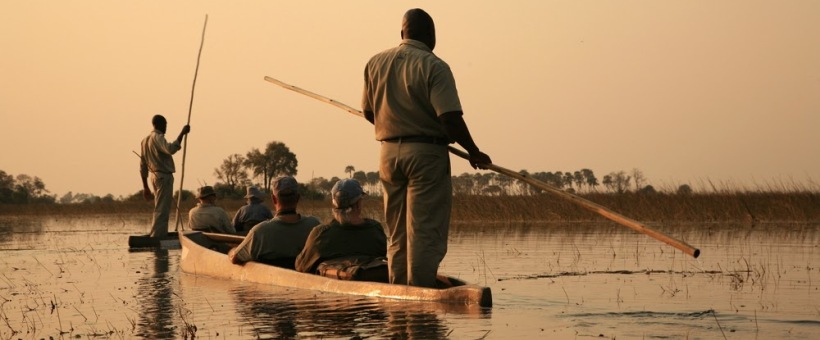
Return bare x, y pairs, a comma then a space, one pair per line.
477, 197
737, 207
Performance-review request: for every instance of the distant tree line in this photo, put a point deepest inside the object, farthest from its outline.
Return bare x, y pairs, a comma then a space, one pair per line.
23, 189
239, 171
493, 184
260, 167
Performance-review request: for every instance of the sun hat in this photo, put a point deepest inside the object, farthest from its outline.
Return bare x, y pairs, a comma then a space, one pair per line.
285, 185
346, 193
255, 192
205, 191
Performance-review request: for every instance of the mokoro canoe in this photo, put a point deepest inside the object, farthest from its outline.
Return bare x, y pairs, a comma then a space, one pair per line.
199, 257
146, 241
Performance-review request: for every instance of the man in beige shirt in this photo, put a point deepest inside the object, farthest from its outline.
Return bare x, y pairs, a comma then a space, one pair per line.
410, 96
156, 158
206, 216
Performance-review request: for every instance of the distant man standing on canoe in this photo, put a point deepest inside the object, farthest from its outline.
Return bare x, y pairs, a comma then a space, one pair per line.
279, 240
207, 216
157, 159
410, 96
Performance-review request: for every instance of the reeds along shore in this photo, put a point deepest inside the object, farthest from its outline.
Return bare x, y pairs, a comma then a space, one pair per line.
747, 207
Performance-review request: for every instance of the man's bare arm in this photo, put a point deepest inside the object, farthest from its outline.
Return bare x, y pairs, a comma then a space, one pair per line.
457, 130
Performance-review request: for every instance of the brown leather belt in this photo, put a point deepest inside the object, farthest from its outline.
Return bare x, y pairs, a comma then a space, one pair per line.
419, 139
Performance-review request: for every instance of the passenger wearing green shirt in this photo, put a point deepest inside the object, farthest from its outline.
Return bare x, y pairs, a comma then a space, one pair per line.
348, 236
279, 240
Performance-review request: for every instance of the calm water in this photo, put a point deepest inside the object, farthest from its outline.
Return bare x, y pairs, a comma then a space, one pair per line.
76, 278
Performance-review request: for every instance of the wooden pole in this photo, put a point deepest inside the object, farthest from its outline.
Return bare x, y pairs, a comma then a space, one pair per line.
185, 139
611, 215
594, 207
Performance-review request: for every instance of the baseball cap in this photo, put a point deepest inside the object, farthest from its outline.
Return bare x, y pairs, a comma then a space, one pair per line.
345, 193
285, 185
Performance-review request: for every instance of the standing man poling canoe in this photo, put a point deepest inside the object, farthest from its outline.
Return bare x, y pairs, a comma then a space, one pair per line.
157, 159
410, 96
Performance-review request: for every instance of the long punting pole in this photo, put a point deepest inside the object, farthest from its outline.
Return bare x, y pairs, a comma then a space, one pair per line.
185, 139
620, 219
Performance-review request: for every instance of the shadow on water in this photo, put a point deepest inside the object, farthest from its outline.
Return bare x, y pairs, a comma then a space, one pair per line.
155, 291
280, 313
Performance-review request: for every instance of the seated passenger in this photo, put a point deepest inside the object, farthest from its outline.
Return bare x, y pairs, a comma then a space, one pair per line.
252, 213
208, 217
279, 240
349, 244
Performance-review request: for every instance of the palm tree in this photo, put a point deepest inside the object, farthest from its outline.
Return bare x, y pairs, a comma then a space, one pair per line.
589, 176
350, 170
579, 179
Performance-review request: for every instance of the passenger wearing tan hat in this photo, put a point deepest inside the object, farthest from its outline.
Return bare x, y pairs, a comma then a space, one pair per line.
279, 240
206, 216
252, 213
349, 240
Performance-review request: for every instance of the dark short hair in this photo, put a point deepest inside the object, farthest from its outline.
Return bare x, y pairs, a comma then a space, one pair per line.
158, 119
417, 24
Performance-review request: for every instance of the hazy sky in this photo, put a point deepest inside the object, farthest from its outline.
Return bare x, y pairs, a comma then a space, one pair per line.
686, 91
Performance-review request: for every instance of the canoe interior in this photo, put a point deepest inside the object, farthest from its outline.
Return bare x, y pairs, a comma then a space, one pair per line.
204, 254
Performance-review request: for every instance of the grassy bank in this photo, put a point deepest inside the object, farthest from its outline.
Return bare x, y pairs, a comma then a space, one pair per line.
740, 207
663, 208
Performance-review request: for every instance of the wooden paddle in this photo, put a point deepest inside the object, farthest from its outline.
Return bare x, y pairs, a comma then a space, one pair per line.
228, 238
185, 140
611, 215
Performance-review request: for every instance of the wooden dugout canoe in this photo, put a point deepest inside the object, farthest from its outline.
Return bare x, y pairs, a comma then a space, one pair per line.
146, 241
198, 258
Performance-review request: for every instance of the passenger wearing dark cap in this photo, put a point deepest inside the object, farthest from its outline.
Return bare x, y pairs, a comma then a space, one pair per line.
206, 216
279, 240
348, 237
252, 213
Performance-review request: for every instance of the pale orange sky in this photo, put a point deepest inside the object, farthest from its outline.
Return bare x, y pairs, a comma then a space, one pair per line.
686, 91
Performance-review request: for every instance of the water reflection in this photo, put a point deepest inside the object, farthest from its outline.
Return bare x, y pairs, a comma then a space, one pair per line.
549, 280
413, 323
155, 291
19, 233
281, 313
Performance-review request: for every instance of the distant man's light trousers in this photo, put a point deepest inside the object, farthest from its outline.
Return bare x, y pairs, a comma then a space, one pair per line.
417, 202
163, 198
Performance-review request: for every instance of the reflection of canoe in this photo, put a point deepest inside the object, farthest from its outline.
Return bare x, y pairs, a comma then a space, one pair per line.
198, 258
146, 241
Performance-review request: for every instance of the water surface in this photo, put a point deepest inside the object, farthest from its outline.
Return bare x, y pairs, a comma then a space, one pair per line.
75, 278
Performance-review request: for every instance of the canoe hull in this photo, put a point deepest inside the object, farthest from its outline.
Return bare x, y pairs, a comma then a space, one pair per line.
198, 259
146, 241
